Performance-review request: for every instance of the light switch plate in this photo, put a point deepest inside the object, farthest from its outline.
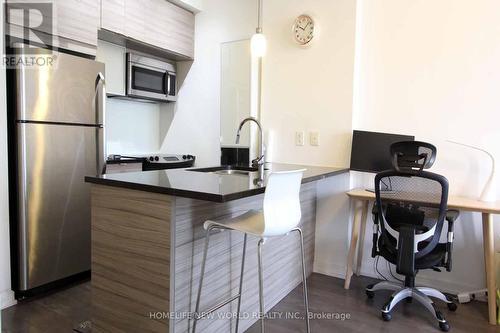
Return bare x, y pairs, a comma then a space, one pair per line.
314, 138
299, 138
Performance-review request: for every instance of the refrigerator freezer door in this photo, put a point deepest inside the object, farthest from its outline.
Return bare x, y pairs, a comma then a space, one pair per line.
54, 200
63, 92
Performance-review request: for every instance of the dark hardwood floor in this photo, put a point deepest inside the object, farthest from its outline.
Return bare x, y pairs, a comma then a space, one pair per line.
62, 311
327, 294
53, 313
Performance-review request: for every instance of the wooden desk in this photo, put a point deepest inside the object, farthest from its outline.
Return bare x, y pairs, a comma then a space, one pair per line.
361, 199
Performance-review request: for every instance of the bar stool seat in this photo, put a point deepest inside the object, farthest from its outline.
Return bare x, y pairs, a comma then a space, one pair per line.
251, 222
280, 216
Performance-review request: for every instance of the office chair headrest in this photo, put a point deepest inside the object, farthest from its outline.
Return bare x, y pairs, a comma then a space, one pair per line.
412, 155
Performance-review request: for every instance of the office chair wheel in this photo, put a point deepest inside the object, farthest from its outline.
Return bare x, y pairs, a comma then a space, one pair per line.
370, 293
386, 316
444, 326
452, 306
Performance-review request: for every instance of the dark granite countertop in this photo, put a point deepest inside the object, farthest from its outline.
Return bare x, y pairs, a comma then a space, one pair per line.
206, 185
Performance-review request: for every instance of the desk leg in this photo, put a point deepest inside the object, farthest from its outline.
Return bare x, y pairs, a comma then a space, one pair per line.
361, 241
489, 260
352, 246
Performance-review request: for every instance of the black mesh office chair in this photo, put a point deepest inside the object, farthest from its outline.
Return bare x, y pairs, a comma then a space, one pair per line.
409, 214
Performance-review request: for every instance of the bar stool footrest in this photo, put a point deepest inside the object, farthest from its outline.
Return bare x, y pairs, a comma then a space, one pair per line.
216, 307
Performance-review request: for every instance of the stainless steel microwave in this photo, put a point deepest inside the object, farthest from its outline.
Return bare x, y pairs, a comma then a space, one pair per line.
150, 78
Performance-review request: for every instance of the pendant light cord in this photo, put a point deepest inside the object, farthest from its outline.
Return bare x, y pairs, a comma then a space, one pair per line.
259, 21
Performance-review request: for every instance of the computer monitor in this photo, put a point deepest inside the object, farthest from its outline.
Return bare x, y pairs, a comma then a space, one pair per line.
371, 150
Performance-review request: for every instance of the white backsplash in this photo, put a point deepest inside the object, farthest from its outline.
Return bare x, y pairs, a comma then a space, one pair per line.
132, 127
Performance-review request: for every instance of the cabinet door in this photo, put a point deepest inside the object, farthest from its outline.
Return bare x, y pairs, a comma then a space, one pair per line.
113, 15
77, 20
172, 27
113, 57
137, 19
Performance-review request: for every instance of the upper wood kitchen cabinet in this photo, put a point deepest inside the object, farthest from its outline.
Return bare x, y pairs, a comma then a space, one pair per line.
136, 18
158, 23
172, 27
78, 20
74, 23
113, 15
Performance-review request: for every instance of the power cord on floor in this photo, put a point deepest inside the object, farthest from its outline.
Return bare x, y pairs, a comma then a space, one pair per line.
388, 267
376, 269
390, 271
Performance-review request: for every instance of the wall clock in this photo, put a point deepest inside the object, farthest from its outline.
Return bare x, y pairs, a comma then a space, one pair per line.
303, 29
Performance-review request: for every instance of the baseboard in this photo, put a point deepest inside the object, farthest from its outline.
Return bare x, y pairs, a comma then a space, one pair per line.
7, 299
452, 287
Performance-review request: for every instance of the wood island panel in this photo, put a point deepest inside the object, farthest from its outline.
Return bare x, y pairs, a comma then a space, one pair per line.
130, 259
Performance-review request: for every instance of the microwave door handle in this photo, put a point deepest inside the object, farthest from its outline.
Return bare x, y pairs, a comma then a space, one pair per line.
173, 86
167, 77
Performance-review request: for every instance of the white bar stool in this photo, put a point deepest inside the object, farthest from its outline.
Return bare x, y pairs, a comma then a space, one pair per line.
281, 215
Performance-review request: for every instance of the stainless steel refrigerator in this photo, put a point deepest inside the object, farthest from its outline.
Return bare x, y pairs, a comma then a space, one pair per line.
57, 132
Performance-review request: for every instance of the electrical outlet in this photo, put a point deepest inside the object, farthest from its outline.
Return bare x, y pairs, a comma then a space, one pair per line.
314, 138
299, 138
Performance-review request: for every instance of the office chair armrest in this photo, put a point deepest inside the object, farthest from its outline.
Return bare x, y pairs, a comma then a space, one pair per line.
405, 263
451, 216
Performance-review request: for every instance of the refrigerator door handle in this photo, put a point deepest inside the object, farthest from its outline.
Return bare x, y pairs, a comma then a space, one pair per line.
100, 107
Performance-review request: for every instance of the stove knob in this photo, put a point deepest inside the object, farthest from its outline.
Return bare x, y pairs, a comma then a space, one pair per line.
184, 157
157, 158
151, 158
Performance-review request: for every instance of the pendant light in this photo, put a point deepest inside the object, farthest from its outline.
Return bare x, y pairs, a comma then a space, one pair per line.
258, 42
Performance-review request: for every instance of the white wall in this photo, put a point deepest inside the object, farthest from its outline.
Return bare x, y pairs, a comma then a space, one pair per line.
310, 88
6, 295
431, 69
195, 127
132, 127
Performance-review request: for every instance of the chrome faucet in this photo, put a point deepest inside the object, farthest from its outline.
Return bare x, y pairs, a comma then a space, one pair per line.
260, 160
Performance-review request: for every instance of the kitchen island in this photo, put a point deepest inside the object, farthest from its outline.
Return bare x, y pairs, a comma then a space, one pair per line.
147, 244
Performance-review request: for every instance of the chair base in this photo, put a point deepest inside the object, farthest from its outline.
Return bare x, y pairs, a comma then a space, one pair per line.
420, 294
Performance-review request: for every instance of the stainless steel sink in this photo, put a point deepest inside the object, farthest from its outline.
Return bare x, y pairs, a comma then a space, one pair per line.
227, 170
